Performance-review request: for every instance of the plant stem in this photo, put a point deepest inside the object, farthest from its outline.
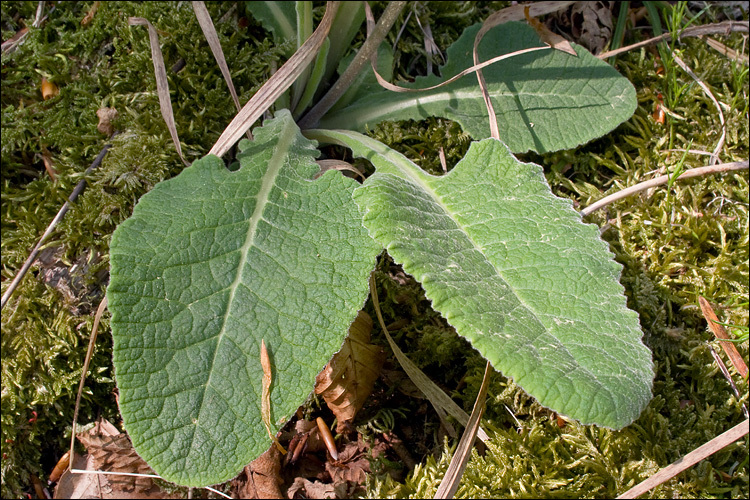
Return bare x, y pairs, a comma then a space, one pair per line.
368, 48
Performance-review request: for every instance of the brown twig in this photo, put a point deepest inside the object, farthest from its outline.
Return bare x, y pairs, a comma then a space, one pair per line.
642, 186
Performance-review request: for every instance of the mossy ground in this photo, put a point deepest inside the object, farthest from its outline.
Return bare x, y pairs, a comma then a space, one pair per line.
675, 244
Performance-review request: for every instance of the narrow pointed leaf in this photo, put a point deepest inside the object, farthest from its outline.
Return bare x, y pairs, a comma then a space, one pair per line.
211, 263
516, 272
544, 101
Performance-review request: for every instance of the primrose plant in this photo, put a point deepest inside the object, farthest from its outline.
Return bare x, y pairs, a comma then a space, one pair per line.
213, 261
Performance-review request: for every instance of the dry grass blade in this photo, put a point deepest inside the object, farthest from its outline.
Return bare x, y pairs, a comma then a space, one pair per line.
728, 377
689, 460
452, 478
395, 88
663, 179
209, 31
52, 225
276, 85
513, 13
721, 334
723, 28
720, 144
726, 51
439, 399
554, 40
162, 86
340, 165
89, 353
365, 53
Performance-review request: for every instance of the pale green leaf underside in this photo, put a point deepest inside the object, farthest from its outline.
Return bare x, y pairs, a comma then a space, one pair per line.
516, 272
210, 263
544, 101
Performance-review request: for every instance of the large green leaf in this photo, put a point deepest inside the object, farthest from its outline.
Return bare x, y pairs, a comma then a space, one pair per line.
210, 263
544, 101
515, 271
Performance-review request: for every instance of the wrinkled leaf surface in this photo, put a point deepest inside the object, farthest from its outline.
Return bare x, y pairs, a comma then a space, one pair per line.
210, 263
544, 101
516, 272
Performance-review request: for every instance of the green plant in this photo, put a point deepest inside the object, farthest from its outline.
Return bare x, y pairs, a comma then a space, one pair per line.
213, 261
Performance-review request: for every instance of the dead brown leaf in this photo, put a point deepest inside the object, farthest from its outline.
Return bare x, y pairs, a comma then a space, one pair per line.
552, 39
349, 377
106, 117
49, 89
352, 465
591, 24
303, 488
110, 451
260, 479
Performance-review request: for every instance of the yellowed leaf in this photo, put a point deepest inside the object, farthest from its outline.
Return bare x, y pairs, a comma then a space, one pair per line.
349, 377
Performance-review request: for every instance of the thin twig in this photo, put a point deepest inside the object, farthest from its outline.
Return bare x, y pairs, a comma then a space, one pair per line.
689, 460
66, 206
642, 186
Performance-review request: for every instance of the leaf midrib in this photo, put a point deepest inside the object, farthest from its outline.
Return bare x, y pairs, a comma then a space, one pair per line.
422, 179
275, 164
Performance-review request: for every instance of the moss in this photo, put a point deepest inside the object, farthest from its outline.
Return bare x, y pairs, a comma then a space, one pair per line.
47, 323
675, 243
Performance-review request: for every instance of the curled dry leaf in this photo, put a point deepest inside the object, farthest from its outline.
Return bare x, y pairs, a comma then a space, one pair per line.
49, 89
591, 24
106, 117
310, 489
90, 15
348, 378
260, 479
552, 39
110, 451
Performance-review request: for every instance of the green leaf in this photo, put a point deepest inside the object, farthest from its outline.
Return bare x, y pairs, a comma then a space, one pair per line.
544, 101
516, 272
210, 263
280, 18
365, 82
